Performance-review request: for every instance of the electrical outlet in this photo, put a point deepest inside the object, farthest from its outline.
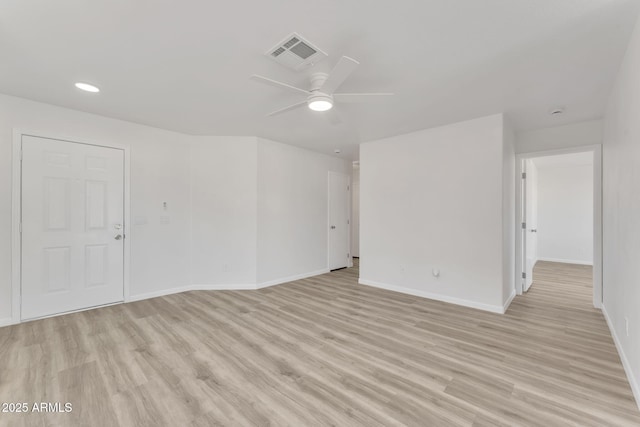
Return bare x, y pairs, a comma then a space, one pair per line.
626, 325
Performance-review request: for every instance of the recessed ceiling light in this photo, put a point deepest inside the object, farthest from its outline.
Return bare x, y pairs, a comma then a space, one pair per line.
320, 102
556, 111
87, 87
337, 151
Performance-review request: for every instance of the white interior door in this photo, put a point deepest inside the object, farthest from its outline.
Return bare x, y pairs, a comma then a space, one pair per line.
338, 220
355, 212
72, 226
531, 220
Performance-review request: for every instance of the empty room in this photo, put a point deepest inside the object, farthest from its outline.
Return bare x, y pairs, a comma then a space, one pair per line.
338, 213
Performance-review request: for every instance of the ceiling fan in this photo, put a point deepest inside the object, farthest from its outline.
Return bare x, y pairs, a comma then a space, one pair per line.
321, 95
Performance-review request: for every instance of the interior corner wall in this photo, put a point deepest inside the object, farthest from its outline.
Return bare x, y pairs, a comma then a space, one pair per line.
583, 133
211, 189
621, 208
292, 211
433, 200
223, 184
159, 173
508, 214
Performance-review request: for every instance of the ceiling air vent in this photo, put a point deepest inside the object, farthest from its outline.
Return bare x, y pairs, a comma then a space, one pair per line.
296, 53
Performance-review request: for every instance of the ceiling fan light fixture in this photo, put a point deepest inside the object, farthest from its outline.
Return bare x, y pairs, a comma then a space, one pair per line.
320, 103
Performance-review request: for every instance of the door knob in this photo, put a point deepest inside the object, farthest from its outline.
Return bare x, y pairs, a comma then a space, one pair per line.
533, 230
118, 237
333, 227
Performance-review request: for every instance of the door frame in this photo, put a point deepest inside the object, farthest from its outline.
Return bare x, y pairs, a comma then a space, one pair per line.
524, 196
350, 260
16, 213
597, 213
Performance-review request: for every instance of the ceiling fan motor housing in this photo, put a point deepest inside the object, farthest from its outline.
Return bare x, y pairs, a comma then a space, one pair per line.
319, 101
317, 81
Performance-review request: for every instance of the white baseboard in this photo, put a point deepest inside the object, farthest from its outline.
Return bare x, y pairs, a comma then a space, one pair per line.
623, 357
236, 287
565, 261
197, 287
156, 294
291, 278
508, 302
6, 321
438, 297
224, 287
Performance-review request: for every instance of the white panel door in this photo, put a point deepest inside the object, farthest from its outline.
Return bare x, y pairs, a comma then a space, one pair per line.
531, 215
338, 220
72, 226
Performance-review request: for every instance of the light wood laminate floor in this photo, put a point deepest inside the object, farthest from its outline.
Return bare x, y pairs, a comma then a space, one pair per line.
324, 351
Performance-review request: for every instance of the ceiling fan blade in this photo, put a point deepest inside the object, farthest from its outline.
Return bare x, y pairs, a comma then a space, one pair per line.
290, 107
339, 74
276, 83
359, 97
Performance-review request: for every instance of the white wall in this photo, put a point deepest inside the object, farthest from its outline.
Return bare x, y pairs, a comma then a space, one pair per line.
434, 200
210, 185
508, 213
159, 252
224, 211
621, 211
565, 214
159, 173
292, 210
566, 136
355, 211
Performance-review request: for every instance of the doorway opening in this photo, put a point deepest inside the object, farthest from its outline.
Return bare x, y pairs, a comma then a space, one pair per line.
559, 219
339, 255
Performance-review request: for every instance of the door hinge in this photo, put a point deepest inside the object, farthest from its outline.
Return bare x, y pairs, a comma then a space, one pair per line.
524, 225
524, 275
524, 175
348, 188
347, 222
20, 227
347, 256
21, 154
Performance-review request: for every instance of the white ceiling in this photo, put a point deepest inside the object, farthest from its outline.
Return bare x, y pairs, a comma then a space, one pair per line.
563, 160
185, 66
